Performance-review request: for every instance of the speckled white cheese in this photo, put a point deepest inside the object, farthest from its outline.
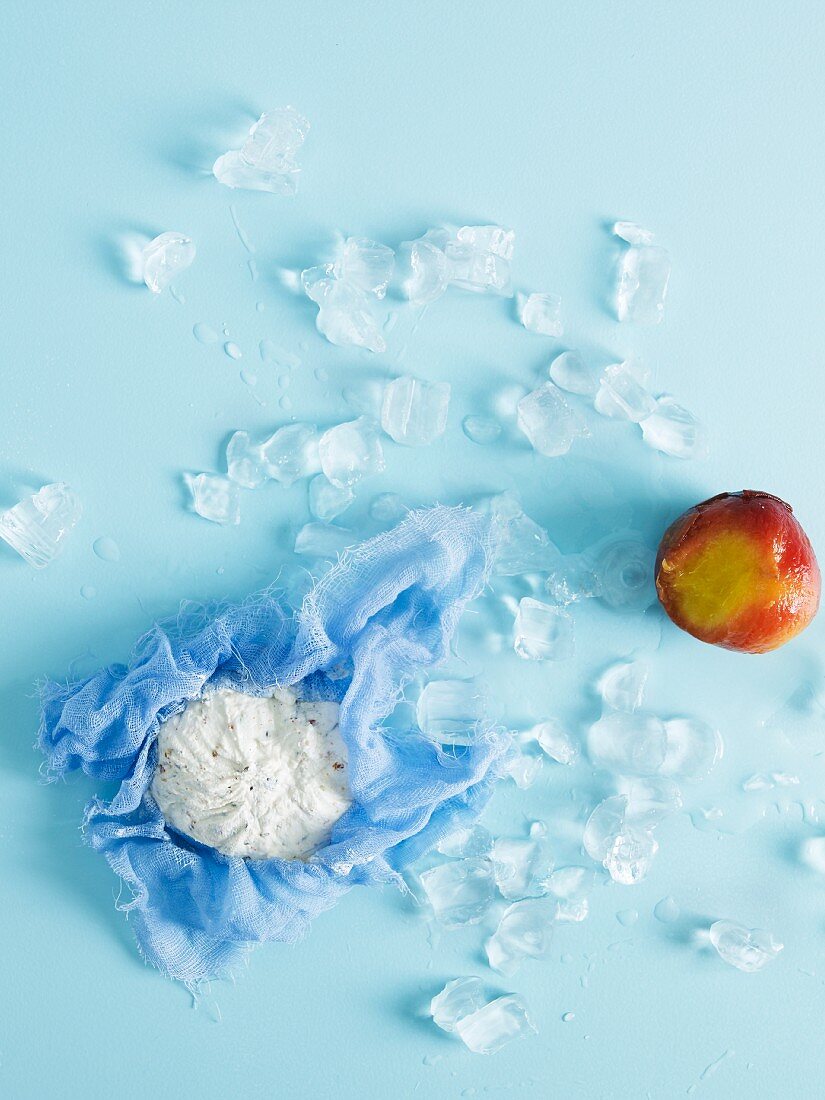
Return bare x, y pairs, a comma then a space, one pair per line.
254, 777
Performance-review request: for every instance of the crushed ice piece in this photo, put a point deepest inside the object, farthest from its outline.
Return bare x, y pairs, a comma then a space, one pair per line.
323, 541
351, 451
813, 853
291, 453
624, 568
413, 412
632, 744
214, 497
317, 282
472, 841
674, 431
748, 949
164, 257
693, 748
572, 578
38, 526
522, 866
365, 264
487, 1030
666, 910
326, 501
632, 233
525, 931
449, 711
456, 1000
556, 741
541, 313
542, 632
650, 798
388, 508
622, 686
244, 461
346, 318
522, 546
523, 768
266, 160
548, 421
570, 372
482, 430
569, 886
622, 396
459, 892
488, 238
644, 272
479, 258
625, 848
429, 271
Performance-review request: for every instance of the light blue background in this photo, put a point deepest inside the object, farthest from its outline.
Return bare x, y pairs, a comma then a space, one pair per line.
701, 120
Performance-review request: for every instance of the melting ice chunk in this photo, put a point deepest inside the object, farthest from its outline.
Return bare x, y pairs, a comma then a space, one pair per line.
569, 886
456, 1000
625, 848
351, 451
244, 461
215, 498
524, 932
466, 843
622, 395
548, 421
497, 1023
541, 313
632, 744
523, 768
572, 578
37, 527
292, 452
479, 258
624, 569
322, 541
693, 748
365, 264
522, 545
266, 160
556, 741
644, 272
326, 501
482, 430
164, 257
622, 686
522, 866
632, 233
748, 949
459, 892
673, 430
413, 412
429, 271
542, 632
448, 711
345, 318
570, 372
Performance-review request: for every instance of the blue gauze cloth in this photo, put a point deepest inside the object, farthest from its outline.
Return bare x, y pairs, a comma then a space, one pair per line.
387, 609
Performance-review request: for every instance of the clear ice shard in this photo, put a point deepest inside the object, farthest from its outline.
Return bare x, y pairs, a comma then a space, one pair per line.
556, 741
541, 313
572, 578
548, 421
449, 711
621, 395
570, 372
624, 568
479, 258
569, 886
644, 272
748, 949
542, 631
38, 526
326, 501
346, 319
487, 1030
622, 686
488, 239
471, 841
164, 258
459, 892
244, 461
351, 451
365, 264
429, 271
414, 413
456, 1000
214, 497
693, 748
522, 546
266, 160
523, 768
625, 847
632, 233
522, 866
482, 430
323, 541
525, 931
292, 453
631, 744
674, 431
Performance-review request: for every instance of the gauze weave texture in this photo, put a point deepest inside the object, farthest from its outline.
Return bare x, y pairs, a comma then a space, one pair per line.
384, 611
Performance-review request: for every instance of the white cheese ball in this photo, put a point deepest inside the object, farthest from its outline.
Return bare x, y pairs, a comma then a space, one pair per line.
256, 777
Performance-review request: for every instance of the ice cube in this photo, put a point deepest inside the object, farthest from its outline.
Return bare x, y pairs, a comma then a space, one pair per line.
622, 396
413, 412
624, 568
164, 257
523, 768
571, 578
632, 744
569, 886
644, 271
266, 160
522, 546
488, 238
542, 632
215, 498
323, 541
556, 741
748, 949
429, 271
326, 501
366, 265
548, 421
38, 526
479, 258
317, 282
632, 233
631, 856
351, 451
522, 866
622, 686
466, 843
673, 430
693, 748
482, 430
292, 452
604, 825
244, 461
649, 798
388, 508
456, 1000
449, 711
524, 932
346, 317
570, 372
541, 313
459, 892
487, 1030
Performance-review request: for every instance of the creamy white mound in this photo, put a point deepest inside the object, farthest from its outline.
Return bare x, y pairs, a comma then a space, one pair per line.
253, 777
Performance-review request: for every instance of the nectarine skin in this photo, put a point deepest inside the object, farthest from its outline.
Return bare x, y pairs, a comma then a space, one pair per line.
738, 571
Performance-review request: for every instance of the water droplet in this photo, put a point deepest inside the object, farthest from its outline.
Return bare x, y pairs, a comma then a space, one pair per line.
627, 917
666, 910
322, 374
242, 237
232, 350
568, 1017
482, 430
106, 549
253, 269
249, 378
88, 591
284, 381
285, 403
205, 334
260, 307
271, 353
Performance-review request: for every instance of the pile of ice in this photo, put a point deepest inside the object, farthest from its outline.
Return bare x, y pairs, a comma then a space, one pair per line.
267, 159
